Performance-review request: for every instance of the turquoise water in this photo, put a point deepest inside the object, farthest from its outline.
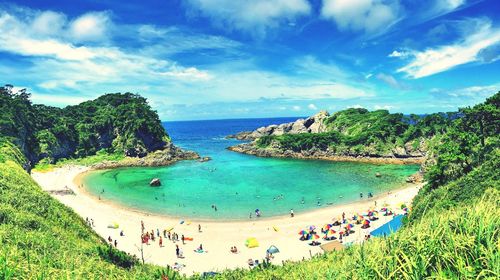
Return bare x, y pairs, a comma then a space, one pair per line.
238, 184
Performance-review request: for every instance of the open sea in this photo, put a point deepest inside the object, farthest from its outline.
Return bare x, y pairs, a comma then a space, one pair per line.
236, 183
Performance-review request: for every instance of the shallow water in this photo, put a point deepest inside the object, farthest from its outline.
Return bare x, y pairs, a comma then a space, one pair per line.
238, 184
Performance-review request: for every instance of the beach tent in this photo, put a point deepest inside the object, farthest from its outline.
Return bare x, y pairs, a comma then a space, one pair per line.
273, 249
332, 246
252, 242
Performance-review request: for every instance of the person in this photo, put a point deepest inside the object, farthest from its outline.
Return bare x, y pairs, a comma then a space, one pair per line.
165, 233
121, 233
158, 232
302, 201
142, 226
116, 243
200, 248
161, 241
92, 222
169, 236
199, 228
110, 239
250, 263
291, 213
215, 208
343, 216
183, 240
177, 250
361, 195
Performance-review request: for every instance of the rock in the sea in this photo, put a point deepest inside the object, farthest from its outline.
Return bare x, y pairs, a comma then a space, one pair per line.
378, 174
155, 182
203, 159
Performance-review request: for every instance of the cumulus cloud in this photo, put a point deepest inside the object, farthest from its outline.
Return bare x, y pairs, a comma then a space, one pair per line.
478, 37
312, 107
255, 17
93, 26
369, 16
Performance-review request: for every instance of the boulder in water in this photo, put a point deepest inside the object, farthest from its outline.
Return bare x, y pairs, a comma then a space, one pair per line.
378, 175
155, 182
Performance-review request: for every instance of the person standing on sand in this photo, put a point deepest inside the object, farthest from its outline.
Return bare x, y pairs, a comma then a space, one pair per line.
116, 243
291, 213
199, 228
183, 240
177, 250
142, 226
161, 242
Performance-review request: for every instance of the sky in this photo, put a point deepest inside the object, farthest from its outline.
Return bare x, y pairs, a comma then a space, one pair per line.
217, 59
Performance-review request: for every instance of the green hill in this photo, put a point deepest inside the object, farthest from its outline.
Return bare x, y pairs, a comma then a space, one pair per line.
114, 123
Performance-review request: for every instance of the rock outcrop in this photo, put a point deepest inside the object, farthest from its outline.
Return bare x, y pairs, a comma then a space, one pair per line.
313, 124
166, 156
155, 182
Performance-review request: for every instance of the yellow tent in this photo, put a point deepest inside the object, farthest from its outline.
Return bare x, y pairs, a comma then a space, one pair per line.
252, 242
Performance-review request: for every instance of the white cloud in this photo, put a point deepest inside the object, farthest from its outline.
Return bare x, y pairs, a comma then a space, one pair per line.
369, 16
296, 108
466, 50
91, 26
399, 54
48, 23
383, 107
255, 16
312, 107
65, 65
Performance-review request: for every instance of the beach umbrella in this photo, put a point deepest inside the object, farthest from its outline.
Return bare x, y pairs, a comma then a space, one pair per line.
366, 222
252, 242
327, 227
332, 231
273, 249
312, 227
302, 232
384, 209
315, 237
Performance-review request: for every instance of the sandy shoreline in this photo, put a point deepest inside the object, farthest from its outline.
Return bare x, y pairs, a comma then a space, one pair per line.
217, 237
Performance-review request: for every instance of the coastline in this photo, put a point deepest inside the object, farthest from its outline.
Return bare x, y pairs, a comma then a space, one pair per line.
250, 150
216, 236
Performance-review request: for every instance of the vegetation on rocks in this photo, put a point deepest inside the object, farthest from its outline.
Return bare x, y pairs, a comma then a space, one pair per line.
116, 123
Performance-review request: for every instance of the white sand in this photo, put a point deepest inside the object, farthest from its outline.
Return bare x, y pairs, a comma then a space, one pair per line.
216, 237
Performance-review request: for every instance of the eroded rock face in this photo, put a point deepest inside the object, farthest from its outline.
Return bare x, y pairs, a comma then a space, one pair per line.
314, 124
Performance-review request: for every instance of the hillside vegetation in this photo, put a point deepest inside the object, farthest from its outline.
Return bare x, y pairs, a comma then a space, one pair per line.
452, 231
357, 131
115, 123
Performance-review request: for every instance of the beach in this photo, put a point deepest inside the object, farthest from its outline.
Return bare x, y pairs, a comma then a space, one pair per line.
217, 237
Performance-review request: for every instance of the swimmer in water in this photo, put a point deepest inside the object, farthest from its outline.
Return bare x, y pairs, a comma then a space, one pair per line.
302, 201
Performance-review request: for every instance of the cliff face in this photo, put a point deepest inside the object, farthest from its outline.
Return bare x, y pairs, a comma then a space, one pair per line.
116, 123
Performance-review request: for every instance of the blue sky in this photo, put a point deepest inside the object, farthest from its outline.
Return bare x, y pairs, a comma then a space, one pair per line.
212, 59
